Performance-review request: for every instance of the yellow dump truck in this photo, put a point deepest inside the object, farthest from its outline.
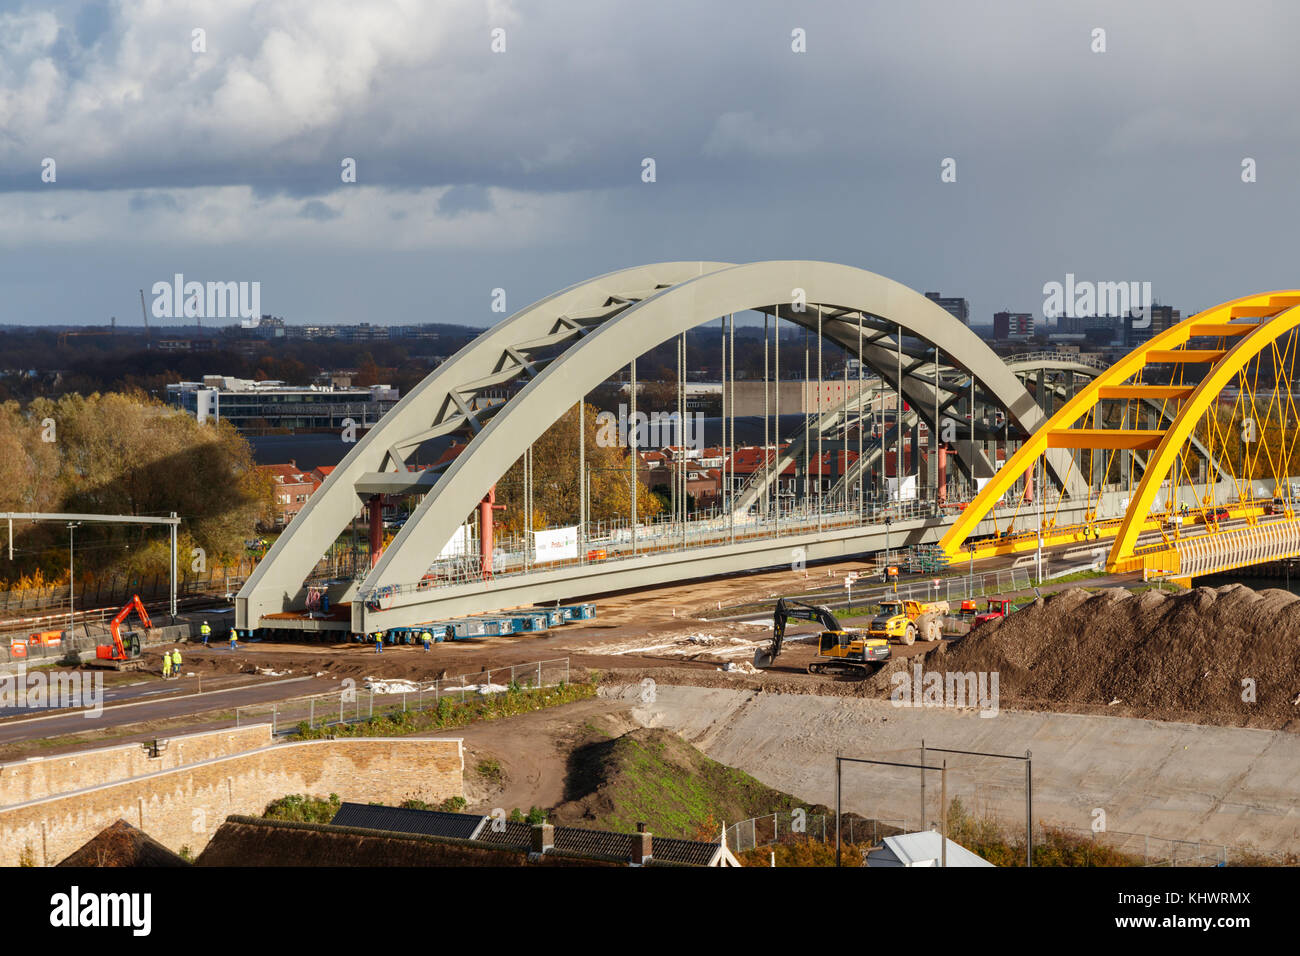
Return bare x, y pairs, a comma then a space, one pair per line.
904, 621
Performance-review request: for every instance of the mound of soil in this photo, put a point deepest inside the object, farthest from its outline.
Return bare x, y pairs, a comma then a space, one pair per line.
1229, 655
653, 776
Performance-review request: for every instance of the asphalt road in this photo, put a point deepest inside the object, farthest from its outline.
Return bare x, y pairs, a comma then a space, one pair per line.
122, 713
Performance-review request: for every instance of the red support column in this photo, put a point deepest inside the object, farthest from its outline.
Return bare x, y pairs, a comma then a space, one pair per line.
485, 535
943, 474
376, 505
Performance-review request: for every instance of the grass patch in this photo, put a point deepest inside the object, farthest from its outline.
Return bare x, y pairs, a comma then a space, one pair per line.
1076, 576
301, 808
450, 805
489, 770
452, 713
654, 777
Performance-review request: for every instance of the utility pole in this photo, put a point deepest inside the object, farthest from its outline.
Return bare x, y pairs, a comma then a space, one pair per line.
144, 312
72, 580
1042, 488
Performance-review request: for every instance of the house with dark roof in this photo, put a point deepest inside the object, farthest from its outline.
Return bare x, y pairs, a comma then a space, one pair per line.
540, 840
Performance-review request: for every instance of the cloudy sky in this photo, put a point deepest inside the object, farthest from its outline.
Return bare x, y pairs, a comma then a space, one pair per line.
522, 169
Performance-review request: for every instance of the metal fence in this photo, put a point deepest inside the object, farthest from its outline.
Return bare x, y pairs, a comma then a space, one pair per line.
776, 828
789, 826
618, 539
84, 637
947, 589
1156, 851
351, 704
113, 589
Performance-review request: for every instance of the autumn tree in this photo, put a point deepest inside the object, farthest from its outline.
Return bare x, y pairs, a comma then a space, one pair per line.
556, 487
130, 454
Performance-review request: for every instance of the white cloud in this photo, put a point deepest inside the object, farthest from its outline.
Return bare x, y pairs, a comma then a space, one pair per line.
274, 72
360, 216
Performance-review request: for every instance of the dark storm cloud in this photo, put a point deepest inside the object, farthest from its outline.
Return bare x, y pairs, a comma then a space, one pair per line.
1118, 165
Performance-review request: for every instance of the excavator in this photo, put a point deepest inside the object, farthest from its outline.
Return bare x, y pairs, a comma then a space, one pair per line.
123, 656
837, 649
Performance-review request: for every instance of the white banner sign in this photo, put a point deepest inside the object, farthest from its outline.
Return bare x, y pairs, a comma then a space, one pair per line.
457, 546
905, 492
556, 544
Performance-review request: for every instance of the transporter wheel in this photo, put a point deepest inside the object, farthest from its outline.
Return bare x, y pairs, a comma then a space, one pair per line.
929, 627
909, 635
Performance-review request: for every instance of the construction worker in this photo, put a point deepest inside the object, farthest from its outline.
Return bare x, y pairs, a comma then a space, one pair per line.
234, 636
427, 638
176, 662
379, 642
167, 664
206, 632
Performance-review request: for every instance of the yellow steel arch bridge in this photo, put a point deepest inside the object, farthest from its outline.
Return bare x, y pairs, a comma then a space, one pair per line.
1206, 484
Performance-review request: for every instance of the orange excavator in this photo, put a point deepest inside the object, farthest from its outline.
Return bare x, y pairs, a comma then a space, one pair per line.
123, 655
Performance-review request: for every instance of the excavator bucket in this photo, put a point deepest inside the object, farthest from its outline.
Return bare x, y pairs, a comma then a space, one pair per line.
763, 658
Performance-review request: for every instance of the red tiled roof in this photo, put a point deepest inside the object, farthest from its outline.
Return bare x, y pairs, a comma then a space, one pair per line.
288, 474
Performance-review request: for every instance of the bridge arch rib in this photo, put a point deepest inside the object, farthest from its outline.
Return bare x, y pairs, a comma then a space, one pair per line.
565, 346
444, 402
1227, 337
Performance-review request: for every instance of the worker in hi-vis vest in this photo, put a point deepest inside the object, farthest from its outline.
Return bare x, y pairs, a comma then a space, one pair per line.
206, 632
234, 637
427, 638
379, 642
167, 664
176, 662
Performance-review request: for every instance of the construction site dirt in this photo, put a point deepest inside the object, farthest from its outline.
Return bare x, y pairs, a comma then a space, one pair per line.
1229, 656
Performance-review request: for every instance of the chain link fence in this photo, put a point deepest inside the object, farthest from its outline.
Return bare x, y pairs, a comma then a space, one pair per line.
112, 590
789, 826
948, 589
793, 825
351, 704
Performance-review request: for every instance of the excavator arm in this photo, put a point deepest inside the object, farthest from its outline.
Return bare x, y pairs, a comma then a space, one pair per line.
785, 610
115, 626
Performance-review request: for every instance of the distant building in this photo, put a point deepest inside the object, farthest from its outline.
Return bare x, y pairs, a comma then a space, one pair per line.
1013, 325
754, 398
293, 487
183, 345
269, 327
1138, 329
365, 332
271, 406
957, 307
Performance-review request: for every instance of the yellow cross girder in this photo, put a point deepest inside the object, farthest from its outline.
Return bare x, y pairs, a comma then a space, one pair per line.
1176, 393
1135, 439
1187, 402
1185, 356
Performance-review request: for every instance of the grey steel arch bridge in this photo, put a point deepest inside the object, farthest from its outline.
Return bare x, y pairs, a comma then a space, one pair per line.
557, 351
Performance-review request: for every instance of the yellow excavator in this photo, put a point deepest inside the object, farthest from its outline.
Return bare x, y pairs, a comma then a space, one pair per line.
838, 649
